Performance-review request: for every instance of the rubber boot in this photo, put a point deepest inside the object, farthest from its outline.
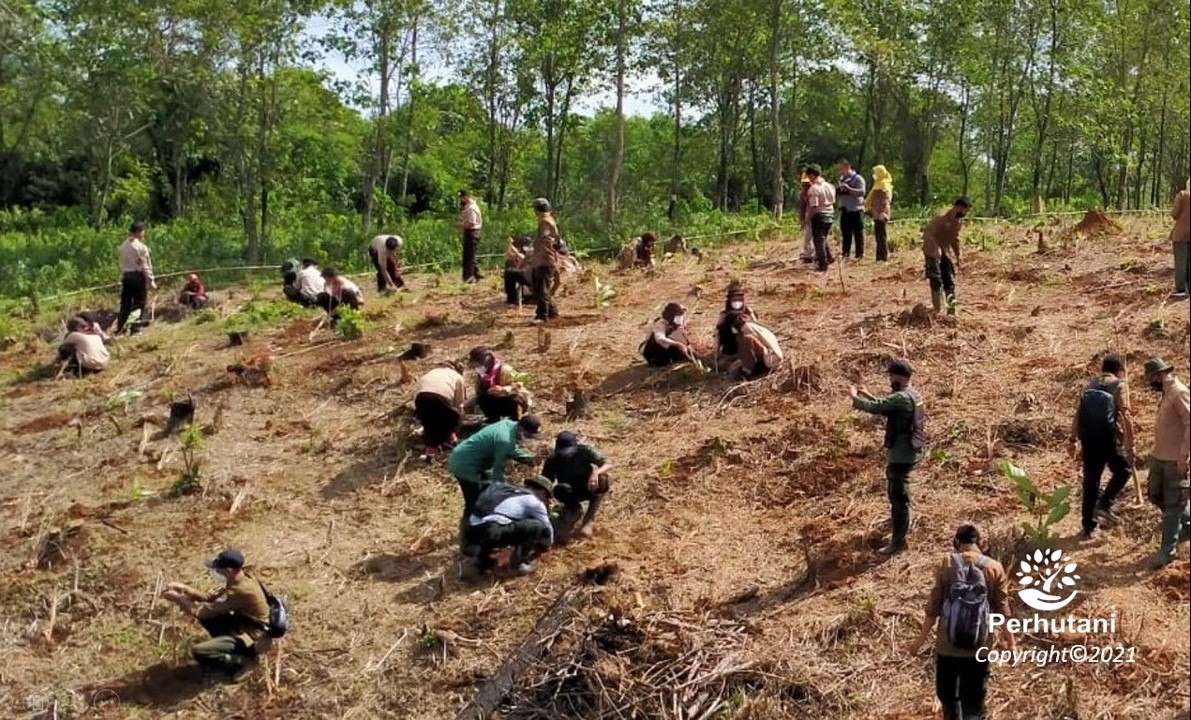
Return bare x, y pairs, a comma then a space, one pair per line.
566, 524
936, 300
900, 518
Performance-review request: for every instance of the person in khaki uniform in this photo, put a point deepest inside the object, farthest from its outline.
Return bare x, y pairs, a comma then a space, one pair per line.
1180, 237
236, 616
1168, 486
961, 681
544, 261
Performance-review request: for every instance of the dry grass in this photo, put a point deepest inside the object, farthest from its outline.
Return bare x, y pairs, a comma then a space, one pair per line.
743, 517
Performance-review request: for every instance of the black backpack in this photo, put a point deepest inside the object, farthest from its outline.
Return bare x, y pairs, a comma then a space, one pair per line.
914, 425
965, 607
278, 614
1097, 414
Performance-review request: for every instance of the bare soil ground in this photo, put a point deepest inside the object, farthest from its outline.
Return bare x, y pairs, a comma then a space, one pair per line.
743, 519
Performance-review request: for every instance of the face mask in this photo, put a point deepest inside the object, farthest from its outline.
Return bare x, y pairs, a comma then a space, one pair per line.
737, 304
479, 371
896, 385
680, 320
216, 575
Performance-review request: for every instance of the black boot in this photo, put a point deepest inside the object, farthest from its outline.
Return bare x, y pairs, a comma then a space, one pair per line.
900, 518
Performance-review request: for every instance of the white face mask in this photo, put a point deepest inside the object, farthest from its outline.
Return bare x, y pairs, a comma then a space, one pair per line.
680, 320
737, 304
479, 371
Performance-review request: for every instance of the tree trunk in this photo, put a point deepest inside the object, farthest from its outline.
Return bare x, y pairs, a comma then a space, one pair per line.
409, 111
617, 159
775, 118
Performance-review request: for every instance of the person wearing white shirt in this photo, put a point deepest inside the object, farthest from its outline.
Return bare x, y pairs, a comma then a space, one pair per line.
385, 253
136, 275
509, 516
308, 284
759, 351
339, 291
820, 212
83, 351
470, 223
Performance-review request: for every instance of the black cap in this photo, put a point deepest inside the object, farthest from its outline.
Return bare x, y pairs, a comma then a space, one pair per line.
229, 558
814, 169
901, 367
566, 443
530, 426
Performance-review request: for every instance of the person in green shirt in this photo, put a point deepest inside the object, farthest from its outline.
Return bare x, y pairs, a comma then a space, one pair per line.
905, 421
480, 460
580, 474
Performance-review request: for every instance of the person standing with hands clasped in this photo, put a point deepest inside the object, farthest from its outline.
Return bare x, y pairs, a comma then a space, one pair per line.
968, 587
905, 437
850, 191
136, 275
878, 204
543, 261
470, 223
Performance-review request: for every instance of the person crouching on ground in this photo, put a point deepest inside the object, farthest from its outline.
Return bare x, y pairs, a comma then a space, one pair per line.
518, 281
193, 295
580, 475
303, 285
385, 253
961, 681
480, 460
236, 616
735, 306
438, 404
668, 342
339, 291
759, 351
83, 351
510, 516
498, 394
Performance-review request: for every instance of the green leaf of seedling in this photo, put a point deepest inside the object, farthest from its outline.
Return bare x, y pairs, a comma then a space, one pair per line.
1057, 513
1059, 496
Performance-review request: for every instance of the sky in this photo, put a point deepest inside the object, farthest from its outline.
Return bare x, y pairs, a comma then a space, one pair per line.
640, 99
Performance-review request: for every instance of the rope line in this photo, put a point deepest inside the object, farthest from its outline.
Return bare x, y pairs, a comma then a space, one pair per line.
593, 251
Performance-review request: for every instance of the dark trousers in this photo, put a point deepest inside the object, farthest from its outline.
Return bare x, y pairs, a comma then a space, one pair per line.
729, 341
291, 293
517, 282
500, 407
224, 653
941, 274
439, 418
820, 229
657, 356
1097, 456
851, 227
471, 248
881, 233
897, 487
471, 489
961, 684
394, 271
526, 536
193, 300
331, 304
543, 290
134, 293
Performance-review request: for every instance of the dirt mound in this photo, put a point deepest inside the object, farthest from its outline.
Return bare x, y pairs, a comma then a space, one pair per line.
917, 316
1096, 223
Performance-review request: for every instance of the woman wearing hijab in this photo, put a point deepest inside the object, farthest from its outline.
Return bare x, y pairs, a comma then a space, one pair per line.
498, 394
878, 204
667, 342
726, 331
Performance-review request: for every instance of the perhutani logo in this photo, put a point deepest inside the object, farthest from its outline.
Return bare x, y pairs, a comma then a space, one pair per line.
1048, 580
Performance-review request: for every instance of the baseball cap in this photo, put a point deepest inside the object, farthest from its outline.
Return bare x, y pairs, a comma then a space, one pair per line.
566, 443
901, 367
531, 427
227, 558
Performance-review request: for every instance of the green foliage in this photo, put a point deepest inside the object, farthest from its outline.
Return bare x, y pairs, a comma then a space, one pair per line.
123, 398
189, 481
1047, 509
204, 316
261, 313
604, 294
351, 324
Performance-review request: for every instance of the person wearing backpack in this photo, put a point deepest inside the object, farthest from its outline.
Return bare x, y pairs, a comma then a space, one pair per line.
905, 427
237, 616
968, 587
1102, 432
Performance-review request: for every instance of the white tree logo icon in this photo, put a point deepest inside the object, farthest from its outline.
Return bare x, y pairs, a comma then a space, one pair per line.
1045, 576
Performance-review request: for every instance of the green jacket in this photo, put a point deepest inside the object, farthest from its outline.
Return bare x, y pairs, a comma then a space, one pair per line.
898, 410
488, 451
574, 470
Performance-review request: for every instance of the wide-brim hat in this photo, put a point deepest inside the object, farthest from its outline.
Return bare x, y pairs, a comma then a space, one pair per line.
1155, 366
